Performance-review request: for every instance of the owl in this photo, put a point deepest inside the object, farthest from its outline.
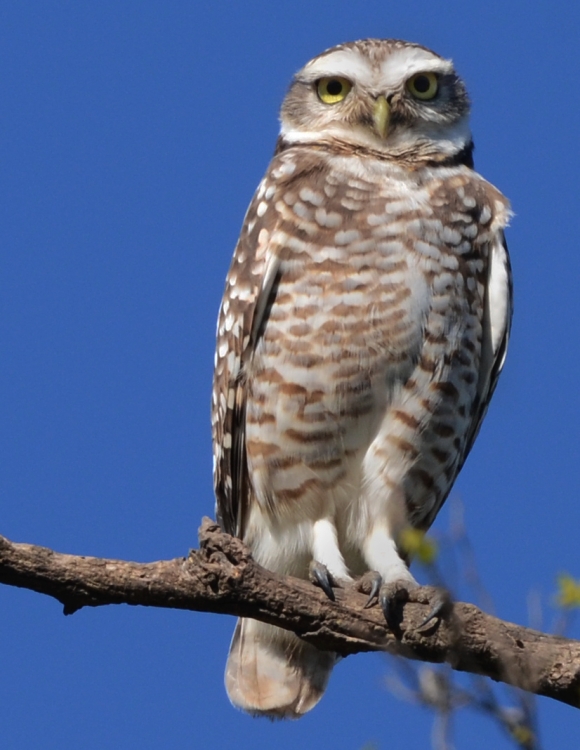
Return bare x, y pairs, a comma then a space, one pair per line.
361, 334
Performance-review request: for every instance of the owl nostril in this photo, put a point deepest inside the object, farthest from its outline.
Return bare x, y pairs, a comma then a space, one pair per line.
389, 98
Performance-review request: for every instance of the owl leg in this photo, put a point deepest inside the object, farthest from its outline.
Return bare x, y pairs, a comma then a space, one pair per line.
391, 583
381, 554
389, 579
328, 567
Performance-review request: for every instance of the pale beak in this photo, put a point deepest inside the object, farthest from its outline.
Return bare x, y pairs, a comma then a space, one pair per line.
381, 116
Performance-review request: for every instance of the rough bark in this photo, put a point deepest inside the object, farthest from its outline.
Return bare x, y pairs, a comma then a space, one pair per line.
222, 577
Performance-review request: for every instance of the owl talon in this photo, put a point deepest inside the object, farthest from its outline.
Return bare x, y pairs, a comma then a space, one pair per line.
391, 596
370, 583
440, 604
321, 576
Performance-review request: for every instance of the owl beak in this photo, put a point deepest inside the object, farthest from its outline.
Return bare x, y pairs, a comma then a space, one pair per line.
381, 116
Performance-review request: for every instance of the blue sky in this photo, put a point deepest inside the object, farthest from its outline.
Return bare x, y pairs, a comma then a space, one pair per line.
132, 135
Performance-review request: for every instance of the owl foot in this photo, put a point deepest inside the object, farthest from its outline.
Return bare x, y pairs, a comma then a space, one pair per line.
388, 595
391, 595
321, 576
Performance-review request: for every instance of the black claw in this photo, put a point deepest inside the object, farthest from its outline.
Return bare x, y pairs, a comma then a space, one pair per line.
438, 608
386, 603
391, 596
321, 577
376, 583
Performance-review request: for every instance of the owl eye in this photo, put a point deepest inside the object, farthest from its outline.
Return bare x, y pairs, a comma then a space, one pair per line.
423, 85
332, 90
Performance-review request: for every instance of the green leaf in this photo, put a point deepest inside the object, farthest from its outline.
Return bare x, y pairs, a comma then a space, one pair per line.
418, 546
568, 594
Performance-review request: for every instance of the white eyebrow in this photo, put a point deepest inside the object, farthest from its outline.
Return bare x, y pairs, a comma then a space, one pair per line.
347, 63
402, 64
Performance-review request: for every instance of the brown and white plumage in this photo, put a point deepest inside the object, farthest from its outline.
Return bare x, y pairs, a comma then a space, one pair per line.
363, 327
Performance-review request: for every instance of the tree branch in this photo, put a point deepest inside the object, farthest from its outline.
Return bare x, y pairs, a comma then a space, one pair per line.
222, 577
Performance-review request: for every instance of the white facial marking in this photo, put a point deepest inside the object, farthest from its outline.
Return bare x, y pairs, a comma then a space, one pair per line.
397, 67
401, 64
347, 63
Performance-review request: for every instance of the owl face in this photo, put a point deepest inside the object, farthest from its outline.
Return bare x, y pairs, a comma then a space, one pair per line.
393, 97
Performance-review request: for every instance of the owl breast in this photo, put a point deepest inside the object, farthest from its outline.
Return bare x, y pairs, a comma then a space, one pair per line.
371, 325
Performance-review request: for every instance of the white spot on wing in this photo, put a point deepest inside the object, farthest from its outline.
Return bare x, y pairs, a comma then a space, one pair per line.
345, 238
327, 218
451, 236
429, 250
485, 215
309, 196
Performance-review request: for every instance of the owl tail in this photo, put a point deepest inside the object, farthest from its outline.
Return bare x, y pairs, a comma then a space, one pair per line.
271, 672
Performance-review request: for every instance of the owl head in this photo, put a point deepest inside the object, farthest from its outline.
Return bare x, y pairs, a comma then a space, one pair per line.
395, 98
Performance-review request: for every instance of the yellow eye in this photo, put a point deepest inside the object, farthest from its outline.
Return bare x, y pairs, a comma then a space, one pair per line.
423, 85
332, 90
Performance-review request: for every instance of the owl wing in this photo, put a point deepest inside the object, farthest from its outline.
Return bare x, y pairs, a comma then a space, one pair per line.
497, 318
249, 283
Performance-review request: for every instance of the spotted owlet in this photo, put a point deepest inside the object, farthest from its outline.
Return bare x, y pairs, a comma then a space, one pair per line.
361, 334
